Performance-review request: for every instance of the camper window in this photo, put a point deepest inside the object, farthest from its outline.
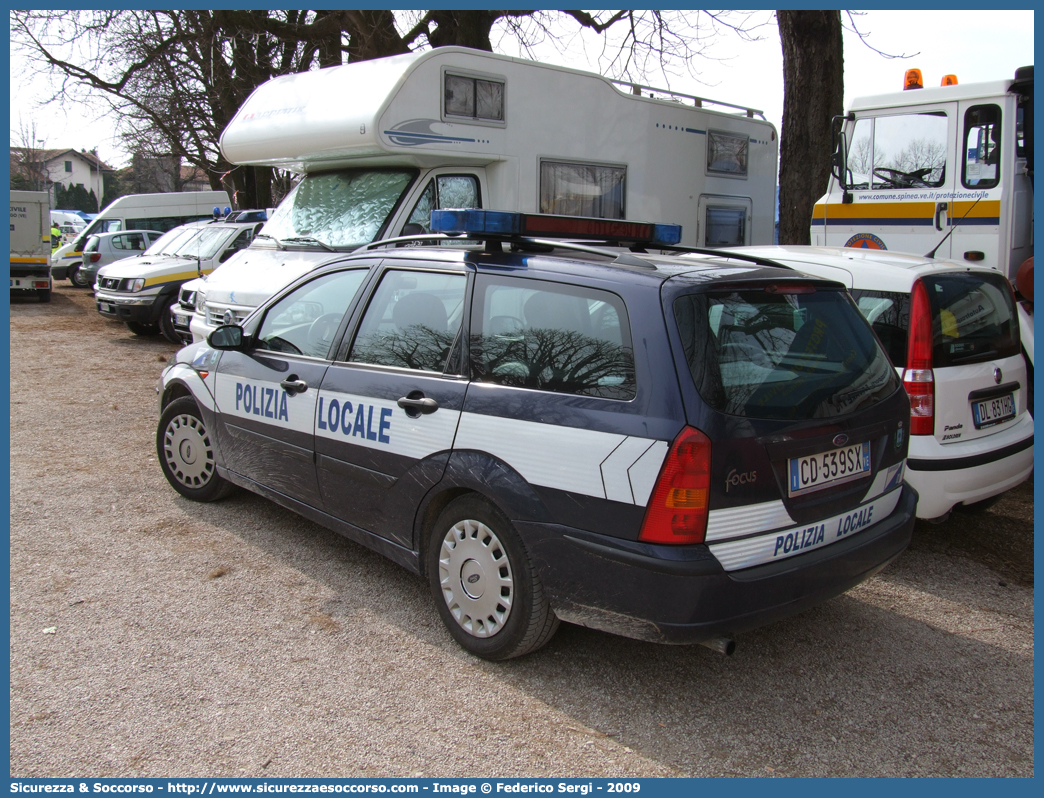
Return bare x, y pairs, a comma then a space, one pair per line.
982, 134
474, 98
727, 153
575, 189
346, 208
726, 226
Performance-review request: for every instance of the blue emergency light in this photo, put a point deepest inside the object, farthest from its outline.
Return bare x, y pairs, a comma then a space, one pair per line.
475, 222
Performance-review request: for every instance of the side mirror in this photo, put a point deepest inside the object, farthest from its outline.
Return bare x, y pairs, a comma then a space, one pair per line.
839, 144
226, 337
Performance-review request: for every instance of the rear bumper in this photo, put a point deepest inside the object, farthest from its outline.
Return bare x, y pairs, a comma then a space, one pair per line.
965, 473
670, 594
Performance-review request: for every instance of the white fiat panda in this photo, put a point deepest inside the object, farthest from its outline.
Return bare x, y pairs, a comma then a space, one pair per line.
952, 333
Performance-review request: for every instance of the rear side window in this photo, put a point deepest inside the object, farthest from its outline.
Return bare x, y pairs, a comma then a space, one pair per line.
552, 337
782, 356
973, 318
412, 321
889, 314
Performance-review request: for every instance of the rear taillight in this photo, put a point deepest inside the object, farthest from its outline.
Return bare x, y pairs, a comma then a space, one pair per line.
677, 511
95, 257
918, 379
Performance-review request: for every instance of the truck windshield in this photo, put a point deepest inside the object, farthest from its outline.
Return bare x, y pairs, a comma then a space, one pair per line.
343, 209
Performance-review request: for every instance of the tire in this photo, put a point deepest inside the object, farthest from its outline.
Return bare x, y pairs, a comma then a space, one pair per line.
186, 454
78, 278
474, 549
166, 325
43, 294
146, 330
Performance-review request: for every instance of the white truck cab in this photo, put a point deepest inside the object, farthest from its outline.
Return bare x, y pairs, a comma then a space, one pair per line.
944, 171
459, 128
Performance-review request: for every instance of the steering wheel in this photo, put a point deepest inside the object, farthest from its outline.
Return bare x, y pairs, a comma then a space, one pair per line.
322, 330
902, 179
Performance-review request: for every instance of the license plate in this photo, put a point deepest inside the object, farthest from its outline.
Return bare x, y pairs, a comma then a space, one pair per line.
106, 307
993, 411
181, 319
817, 471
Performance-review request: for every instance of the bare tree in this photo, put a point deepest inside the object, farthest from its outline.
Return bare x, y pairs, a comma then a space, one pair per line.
28, 167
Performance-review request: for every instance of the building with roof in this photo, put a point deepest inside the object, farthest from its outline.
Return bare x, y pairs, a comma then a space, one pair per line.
44, 169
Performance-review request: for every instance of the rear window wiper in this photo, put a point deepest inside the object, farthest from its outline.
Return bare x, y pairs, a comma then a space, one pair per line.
310, 240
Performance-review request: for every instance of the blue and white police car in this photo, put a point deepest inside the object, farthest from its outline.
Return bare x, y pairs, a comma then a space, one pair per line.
551, 429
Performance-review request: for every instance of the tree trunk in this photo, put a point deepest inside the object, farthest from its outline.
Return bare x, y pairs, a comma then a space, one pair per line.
813, 93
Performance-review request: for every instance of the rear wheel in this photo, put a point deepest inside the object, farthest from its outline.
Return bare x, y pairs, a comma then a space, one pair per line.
138, 328
79, 278
486, 591
186, 454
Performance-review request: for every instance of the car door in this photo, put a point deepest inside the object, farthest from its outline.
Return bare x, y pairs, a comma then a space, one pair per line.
388, 411
266, 395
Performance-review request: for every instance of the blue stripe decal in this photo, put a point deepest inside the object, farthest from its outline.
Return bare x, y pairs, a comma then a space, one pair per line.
870, 222
401, 134
693, 130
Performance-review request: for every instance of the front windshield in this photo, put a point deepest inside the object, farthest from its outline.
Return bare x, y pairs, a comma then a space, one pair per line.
205, 244
168, 243
344, 209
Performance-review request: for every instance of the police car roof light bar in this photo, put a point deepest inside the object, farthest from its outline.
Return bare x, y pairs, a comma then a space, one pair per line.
481, 223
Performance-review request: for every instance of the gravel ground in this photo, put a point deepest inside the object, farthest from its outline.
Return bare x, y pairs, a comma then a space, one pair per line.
155, 637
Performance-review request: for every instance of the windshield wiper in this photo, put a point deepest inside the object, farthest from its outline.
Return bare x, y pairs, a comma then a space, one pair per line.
310, 240
273, 238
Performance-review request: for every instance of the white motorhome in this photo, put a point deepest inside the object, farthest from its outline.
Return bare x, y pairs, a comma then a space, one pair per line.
382, 143
160, 212
946, 170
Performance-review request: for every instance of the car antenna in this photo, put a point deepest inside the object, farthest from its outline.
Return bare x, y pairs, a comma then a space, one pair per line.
954, 227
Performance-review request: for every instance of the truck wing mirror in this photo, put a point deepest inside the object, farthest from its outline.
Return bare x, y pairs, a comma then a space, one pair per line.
839, 144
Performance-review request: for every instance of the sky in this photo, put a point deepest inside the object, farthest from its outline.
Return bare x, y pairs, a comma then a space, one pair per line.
974, 45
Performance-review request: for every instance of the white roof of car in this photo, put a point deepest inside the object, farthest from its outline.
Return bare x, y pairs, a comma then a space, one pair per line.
867, 269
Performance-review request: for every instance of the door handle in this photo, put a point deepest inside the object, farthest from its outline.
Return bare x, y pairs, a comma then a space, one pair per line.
292, 385
940, 208
414, 405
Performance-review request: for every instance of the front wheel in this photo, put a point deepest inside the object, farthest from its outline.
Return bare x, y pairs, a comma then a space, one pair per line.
79, 278
186, 454
166, 325
485, 589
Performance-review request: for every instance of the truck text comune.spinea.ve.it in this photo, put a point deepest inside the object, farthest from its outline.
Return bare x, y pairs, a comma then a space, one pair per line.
945, 170
382, 143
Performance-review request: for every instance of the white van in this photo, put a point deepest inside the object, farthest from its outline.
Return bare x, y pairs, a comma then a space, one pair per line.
160, 212
454, 127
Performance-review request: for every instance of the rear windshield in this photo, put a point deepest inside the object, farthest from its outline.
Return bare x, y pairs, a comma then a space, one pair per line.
973, 318
782, 356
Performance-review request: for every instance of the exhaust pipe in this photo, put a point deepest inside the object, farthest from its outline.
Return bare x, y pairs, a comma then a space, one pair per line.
722, 645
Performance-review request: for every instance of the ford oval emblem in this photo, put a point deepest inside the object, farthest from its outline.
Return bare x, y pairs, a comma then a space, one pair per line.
840, 440
998, 375
473, 579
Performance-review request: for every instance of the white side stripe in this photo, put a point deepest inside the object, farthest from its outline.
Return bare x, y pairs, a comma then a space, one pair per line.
644, 472
582, 461
614, 468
